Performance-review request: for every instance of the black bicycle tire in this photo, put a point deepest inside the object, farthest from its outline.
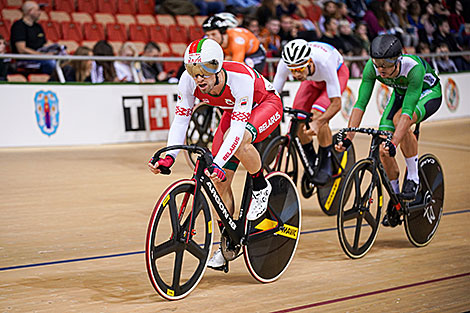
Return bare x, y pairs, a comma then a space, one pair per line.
417, 218
262, 257
182, 290
349, 250
270, 151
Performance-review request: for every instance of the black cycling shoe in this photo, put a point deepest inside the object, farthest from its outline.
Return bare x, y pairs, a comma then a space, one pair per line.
323, 174
392, 217
409, 190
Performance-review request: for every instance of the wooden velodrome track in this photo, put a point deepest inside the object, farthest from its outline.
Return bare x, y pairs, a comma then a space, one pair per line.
73, 226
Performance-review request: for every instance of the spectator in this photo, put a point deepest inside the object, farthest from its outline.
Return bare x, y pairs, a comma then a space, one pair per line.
440, 9
330, 35
127, 71
463, 63
76, 70
423, 48
152, 70
289, 7
409, 34
330, 9
343, 14
377, 19
357, 67
429, 21
288, 30
244, 7
444, 63
361, 36
270, 37
103, 71
27, 37
357, 8
414, 16
456, 20
209, 7
3, 62
442, 34
346, 36
266, 11
252, 25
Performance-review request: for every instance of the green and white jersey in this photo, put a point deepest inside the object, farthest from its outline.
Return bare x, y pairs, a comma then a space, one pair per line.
415, 76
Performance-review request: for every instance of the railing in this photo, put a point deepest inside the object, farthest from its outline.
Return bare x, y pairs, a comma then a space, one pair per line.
270, 61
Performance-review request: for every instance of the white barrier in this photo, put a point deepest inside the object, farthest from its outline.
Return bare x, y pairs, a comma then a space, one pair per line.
51, 115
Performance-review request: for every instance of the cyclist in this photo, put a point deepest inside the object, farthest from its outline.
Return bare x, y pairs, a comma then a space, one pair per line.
416, 96
324, 77
239, 43
252, 109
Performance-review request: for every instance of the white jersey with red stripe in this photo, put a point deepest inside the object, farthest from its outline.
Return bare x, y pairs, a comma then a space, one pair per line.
327, 62
243, 90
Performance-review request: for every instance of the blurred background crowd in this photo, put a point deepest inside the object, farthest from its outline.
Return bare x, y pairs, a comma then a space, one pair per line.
164, 28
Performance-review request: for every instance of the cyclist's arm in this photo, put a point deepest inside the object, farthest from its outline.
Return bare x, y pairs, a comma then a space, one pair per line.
242, 89
237, 47
183, 111
282, 72
366, 87
413, 92
333, 90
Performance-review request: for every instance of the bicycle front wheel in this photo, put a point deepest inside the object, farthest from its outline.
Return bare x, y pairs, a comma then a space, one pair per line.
359, 209
328, 194
280, 156
421, 224
176, 250
269, 255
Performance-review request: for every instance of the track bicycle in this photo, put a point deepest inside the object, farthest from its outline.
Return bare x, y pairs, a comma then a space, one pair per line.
361, 199
281, 155
180, 231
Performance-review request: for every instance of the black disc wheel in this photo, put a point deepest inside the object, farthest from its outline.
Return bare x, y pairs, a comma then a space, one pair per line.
270, 251
328, 194
359, 210
201, 129
280, 156
177, 250
425, 212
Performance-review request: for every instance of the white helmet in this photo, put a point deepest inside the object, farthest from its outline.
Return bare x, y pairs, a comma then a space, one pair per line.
203, 57
230, 20
296, 53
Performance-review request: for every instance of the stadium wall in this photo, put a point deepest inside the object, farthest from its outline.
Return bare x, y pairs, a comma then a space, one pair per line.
54, 115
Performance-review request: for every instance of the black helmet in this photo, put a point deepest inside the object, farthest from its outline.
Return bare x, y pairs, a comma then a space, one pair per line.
215, 22
385, 47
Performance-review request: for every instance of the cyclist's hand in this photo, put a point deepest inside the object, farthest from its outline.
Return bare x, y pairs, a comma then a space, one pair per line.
167, 162
391, 148
308, 132
343, 145
215, 172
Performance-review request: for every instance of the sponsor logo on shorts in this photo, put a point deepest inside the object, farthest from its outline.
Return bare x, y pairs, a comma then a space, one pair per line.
46, 107
451, 95
273, 119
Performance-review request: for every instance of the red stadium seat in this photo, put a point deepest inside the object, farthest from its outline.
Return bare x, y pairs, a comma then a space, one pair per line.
38, 78
71, 45
125, 19
5, 27
165, 19
178, 33
12, 4
19, 78
145, 19
104, 18
89, 43
93, 31
139, 46
177, 49
11, 15
52, 30
164, 48
116, 46
158, 33
88, 6
126, 6
107, 6
60, 16
185, 20
65, 5
43, 16
116, 32
71, 31
146, 7
81, 17
199, 19
195, 32
138, 33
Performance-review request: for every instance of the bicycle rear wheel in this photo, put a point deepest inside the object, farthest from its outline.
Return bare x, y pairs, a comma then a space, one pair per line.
328, 195
360, 201
269, 256
421, 224
176, 252
201, 130
280, 156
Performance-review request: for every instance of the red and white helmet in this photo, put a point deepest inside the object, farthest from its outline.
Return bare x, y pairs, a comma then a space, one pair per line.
204, 57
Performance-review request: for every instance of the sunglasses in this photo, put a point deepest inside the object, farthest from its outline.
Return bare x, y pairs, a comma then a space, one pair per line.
203, 69
299, 68
384, 63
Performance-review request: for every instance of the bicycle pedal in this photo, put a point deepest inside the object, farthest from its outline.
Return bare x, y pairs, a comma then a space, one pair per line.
223, 268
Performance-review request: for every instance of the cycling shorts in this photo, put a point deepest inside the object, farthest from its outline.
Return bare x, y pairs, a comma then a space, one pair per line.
263, 120
312, 95
428, 103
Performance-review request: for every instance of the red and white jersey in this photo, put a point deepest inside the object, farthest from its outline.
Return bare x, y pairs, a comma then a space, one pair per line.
243, 90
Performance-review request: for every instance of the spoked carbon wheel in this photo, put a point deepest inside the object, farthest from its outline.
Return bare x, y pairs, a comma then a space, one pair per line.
280, 156
176, 259
267, 256
421, 224
359, 210
328, 194
201, 129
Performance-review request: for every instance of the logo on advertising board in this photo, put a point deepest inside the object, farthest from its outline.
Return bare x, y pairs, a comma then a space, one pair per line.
383, 97
158, 112
348, 100
47, 111
133, 113
451, 94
